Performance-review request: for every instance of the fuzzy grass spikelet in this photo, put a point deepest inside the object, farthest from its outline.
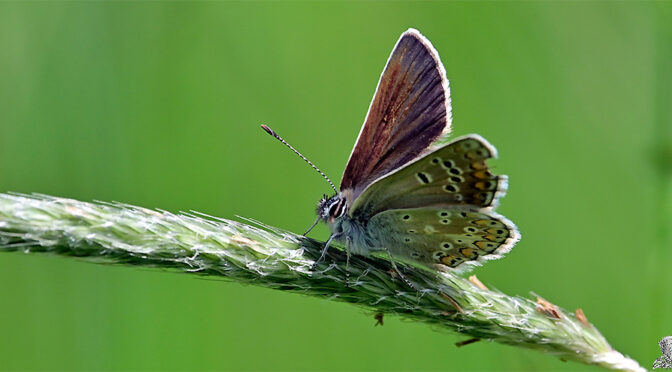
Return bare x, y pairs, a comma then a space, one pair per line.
266, 256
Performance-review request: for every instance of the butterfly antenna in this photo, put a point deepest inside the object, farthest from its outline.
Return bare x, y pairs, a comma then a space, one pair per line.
272, 133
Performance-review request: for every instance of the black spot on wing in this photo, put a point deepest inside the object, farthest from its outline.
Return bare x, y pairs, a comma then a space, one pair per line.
423, 177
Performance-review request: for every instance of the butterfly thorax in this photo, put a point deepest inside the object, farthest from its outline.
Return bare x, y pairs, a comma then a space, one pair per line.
334, 211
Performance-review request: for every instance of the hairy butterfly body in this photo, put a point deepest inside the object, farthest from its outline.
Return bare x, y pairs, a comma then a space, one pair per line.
407, 193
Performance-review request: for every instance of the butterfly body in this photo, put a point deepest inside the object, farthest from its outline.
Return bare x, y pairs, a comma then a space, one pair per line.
405, 190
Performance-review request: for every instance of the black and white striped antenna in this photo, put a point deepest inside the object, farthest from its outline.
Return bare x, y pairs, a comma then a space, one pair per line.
272, 133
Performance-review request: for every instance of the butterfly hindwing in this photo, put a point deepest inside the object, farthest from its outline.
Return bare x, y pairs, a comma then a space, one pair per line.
409, 111
445, 237
454, 175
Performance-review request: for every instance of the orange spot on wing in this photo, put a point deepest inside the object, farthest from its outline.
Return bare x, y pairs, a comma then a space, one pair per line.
491, 238
478, 165
468, 252
448, 260
480, 185
482, 174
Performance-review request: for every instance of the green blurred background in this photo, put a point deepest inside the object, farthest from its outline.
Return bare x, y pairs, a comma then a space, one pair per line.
159, 105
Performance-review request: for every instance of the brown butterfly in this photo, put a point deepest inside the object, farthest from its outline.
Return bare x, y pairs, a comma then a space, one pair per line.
404, 191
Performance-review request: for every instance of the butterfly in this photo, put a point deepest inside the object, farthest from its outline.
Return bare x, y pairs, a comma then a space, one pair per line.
407, 192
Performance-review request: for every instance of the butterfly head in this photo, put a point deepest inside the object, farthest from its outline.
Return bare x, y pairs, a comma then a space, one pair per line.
331, 208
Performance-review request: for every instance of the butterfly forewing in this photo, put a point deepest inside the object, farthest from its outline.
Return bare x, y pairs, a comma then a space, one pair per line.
445, 237
455, 175
409, 111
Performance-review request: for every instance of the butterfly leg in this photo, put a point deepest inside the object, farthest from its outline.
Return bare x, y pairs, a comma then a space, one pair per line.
311, 226
347, 261
396, 269
324, 250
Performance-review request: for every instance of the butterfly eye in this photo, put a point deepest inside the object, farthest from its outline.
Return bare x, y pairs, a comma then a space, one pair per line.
337, 209
332, 210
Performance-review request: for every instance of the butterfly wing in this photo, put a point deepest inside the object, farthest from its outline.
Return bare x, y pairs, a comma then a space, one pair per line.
445, 237
409, 111
454, 175
438, 209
